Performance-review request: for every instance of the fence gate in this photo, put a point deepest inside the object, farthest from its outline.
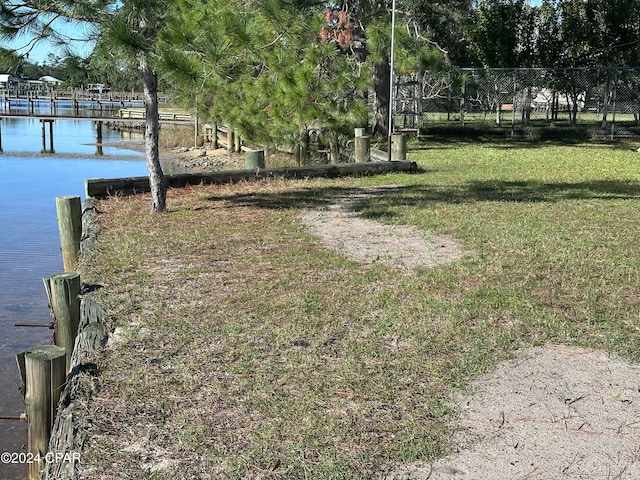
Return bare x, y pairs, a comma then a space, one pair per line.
407, 102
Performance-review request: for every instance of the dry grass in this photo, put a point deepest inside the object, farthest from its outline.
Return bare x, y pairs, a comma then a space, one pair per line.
243, 348
172, 136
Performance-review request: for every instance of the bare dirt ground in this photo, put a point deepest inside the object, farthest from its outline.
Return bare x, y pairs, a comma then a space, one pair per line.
368, 241
551, 413
203, 159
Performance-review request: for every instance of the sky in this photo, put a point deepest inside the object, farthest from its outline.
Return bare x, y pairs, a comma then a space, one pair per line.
42, 49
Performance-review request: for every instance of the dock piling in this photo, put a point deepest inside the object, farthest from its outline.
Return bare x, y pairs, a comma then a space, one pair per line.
69, 210
63, 290
43, 373
43, 121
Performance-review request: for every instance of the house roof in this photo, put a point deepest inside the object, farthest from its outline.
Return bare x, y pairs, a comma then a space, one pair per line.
7, 77
50, 79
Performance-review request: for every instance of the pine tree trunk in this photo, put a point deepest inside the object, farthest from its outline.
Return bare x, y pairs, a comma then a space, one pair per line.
152, 131
382, 81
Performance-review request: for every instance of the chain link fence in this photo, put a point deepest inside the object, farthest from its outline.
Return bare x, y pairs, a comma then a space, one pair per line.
598, 102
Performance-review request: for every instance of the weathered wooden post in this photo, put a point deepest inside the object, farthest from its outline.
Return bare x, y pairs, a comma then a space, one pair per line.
254, 159
230, 140
362, 147
51, 149
69, 212
237, 142
215, 135
99, 150
63, 290
398, 146
43, 374
44, 143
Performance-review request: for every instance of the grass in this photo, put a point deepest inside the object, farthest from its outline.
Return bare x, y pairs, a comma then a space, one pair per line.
246, 349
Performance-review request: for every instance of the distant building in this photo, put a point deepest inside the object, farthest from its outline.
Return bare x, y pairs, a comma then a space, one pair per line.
97, 88
8, 81
49, 80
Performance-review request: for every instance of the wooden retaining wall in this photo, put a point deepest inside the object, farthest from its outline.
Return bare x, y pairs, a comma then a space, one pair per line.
65, 444
106, 187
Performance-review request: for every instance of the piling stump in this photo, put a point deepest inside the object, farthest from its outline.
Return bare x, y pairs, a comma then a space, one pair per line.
69, 211
254, 159
362, 146
399, 147
43, 374
63, 290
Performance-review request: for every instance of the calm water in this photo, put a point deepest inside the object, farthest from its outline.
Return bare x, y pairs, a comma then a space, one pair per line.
29, 241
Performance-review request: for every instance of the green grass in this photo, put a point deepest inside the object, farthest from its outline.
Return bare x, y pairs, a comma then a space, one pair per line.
249, 350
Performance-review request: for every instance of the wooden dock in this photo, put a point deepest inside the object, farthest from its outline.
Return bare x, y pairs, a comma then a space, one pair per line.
80, 95
166, 119
171, 118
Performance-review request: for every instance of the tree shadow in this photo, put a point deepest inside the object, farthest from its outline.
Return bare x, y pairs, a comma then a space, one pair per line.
524, 191
427, 143
382, 201
299, 199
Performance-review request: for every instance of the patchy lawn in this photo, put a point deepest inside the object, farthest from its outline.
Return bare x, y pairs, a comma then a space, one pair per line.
246, 345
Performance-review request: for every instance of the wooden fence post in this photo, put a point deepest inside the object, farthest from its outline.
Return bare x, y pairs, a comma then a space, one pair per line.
362, 145
70, 225
254, 159
230, 140
399, 147
63, 290
43, 373
237, 142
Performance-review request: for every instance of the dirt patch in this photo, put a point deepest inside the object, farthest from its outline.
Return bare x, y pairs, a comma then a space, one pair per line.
202, 159
552, 413
340, 227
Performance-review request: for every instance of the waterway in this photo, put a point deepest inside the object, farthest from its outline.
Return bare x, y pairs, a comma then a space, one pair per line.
29, 240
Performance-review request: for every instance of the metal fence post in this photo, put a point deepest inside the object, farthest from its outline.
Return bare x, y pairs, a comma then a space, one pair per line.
513, 103
613, 105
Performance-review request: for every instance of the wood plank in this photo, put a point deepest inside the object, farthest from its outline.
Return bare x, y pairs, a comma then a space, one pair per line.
106, 187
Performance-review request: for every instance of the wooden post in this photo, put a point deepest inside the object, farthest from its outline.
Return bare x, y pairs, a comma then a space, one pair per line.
254, 159
362, 145
44, 143
398, 146
70, 227
237, 142
99, 150
43, 374
230, 140
51, 136
63, 290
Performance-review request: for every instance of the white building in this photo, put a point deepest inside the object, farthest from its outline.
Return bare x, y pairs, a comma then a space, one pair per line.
49, 80
8, 81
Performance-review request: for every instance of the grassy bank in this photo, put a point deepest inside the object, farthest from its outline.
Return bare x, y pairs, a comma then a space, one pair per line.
243, 348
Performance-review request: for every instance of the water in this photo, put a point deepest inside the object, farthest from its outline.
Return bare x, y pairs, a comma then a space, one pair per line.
29, 239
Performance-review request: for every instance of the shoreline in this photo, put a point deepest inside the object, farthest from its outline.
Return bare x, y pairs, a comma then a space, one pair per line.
188, 159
